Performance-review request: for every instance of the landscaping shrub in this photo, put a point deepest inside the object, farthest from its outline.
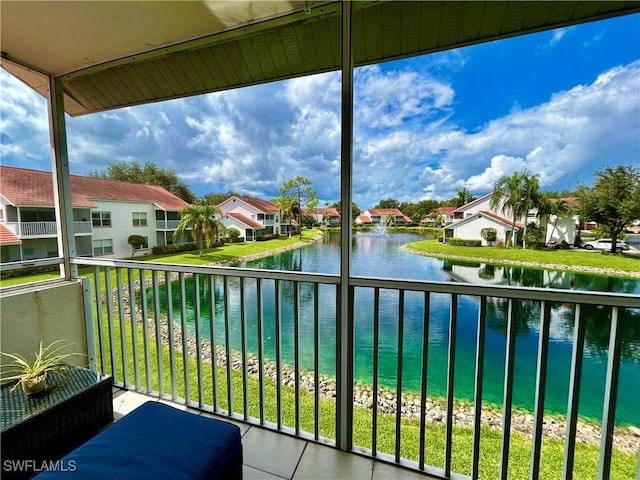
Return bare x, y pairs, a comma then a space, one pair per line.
489, 234
264, 238
183, 247
234, 235
464, 242
19, 272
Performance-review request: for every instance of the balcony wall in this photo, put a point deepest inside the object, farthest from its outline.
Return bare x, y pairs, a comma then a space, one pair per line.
43, 312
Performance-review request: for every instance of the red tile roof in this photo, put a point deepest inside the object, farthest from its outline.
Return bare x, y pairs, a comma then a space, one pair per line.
499, 218
262, 205
445, 210
364, 219
8, 238
24, 187
322, 210
378, 212
247, 221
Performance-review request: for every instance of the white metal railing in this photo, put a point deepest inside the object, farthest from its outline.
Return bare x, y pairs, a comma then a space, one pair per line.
41, 229
175, 360
167, 224
82, 227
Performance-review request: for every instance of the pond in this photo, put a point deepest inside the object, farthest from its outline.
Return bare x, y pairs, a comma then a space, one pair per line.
380, 256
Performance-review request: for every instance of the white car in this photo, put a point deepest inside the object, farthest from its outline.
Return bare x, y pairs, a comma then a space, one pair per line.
605, 244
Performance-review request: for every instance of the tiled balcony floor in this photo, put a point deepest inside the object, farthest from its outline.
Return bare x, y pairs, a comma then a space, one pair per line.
272, 456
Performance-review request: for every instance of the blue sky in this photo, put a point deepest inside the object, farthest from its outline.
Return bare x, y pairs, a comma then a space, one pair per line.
561, 103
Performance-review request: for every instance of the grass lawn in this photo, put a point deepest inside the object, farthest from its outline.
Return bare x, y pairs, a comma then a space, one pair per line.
569, 259
211, 255
623, 465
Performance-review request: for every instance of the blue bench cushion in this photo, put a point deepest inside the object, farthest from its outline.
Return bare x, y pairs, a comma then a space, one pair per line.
156, 441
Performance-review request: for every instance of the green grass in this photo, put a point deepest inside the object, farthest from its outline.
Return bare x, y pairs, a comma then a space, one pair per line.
228, 252
570, 259
623, 465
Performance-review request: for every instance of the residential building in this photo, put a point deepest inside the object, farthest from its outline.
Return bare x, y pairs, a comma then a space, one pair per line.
375, 216
471, 218
105, 213
446, 213
327, 216
105, 60
252, 217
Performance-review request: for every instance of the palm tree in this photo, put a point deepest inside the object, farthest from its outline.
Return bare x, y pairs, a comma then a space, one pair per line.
517, 193
507, 194
548, 207
531, 199
463, 197
203, 221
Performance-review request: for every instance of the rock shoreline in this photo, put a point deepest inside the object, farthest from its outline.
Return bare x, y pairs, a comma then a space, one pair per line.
626, 439
520, 263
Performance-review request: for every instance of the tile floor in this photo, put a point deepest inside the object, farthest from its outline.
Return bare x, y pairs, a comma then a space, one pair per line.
272, 456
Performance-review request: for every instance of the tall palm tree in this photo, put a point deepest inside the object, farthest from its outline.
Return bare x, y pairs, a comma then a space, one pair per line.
203, 221
549, 207
531, 199
516, 194
507, 195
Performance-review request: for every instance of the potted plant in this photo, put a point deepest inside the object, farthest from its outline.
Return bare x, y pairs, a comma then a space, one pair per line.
33, 375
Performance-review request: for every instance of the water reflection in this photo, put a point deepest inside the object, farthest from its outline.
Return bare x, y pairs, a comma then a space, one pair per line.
381, 257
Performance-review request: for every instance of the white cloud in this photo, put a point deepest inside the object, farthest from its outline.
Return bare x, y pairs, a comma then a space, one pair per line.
556, 36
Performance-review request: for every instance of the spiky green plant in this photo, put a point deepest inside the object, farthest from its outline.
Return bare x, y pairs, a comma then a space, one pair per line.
47, 359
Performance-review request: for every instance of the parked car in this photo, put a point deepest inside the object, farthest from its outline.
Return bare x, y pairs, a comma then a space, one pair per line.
605, 244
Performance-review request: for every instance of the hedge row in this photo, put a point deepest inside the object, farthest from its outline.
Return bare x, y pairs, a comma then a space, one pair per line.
463, 242
264, 238
177, 248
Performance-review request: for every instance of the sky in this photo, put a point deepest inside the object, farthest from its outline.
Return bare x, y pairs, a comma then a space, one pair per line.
562, 104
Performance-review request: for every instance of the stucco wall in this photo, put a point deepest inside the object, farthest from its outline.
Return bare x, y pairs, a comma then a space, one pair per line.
471, 230
48, 312
122, 225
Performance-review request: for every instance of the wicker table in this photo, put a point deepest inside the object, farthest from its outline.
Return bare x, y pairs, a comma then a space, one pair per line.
78, 403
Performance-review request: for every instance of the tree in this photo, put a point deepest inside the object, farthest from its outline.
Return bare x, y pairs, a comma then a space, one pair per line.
218, 198
614, 199
148, 174
136, 242
552, 207
233, 234
489, 234
202, 220
388, 203
355, 209
462, 198
298, 193
516, 194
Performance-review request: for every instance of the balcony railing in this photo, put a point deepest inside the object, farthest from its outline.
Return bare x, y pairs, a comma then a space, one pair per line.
263, 334
167, 224
44, 229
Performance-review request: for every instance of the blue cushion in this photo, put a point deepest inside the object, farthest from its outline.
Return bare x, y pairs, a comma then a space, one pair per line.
155, 441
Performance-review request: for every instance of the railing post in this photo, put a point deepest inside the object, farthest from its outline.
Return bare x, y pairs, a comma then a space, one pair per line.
344, 339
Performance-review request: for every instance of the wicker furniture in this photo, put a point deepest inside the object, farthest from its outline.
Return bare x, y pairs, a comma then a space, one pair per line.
78, 403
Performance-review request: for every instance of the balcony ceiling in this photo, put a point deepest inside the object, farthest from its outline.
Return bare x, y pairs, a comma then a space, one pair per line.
117, 54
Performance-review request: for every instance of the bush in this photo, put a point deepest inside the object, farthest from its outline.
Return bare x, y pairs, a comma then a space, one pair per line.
489, 234
264, 238
183, 247
233, 234
136, 242
464, 242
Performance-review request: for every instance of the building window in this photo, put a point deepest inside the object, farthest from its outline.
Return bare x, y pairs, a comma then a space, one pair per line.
102, 247
101, 219
139, 219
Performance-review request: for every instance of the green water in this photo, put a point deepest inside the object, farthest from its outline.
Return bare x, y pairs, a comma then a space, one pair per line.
379, 256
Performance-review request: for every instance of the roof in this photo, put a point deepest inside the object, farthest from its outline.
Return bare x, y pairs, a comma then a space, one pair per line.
8, 238
490, 215
379, 212
445, 210
260, 205
472, 203
322, 210
116, 54
364, 219
25, 187
247, 221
